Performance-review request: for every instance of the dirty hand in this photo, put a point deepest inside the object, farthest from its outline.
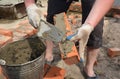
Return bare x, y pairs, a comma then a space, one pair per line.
82, 35
34, 15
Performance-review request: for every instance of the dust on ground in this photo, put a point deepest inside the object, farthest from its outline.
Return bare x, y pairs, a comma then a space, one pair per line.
22, 51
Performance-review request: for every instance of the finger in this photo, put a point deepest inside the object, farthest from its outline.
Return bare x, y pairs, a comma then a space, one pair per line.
35, 24
38, 24
31, 22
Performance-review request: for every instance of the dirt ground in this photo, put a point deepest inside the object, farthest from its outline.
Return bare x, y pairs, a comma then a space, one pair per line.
109, 68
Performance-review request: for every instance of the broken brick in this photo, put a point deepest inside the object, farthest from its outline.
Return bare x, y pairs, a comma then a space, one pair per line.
112, 52
6, 32
4, 40
55, 73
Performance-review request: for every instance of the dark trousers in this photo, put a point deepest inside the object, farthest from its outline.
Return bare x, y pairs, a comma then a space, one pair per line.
58, 6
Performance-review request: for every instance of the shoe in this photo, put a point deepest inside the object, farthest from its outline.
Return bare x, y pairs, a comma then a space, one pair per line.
87, 77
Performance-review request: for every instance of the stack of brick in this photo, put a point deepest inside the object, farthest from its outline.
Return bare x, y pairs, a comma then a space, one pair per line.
71, 56
21, 30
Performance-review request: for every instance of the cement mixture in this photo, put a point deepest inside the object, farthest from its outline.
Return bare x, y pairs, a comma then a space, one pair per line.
22, 51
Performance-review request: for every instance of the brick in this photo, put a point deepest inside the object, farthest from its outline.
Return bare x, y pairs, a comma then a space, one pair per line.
71, 60
72, 57
112, 52
46, 68
73, 19
6, 32
116, 15
55, 73
0, 70
4, 40
113, 12
25, 27
76, 7
18, 35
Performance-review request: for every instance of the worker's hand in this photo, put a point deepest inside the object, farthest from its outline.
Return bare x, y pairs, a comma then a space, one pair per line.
82, 35
34, 15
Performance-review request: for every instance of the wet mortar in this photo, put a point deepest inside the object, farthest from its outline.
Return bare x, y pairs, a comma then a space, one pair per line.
22, 51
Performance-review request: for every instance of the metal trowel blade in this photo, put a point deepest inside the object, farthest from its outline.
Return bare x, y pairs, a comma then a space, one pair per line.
49, 32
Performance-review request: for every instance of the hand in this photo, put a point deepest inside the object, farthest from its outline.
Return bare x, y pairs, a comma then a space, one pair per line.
82, 35
34, 15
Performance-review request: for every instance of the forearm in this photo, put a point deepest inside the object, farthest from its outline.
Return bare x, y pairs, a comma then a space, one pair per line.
100, 8
29, 2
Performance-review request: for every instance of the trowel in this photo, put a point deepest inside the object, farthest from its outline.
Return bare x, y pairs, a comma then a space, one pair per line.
49, 32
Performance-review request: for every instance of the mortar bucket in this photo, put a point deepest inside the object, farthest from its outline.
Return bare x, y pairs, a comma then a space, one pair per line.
26, 61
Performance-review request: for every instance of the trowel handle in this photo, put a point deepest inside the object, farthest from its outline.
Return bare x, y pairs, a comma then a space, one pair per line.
70, 36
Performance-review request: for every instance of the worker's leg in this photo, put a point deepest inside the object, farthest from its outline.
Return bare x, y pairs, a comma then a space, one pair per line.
54, 7
95, 39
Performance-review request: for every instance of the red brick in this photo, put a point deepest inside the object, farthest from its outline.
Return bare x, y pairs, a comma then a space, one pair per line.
73, 19
55, 73
76, 6
25, 27
71, 60
46, 68
74, 51
112, 52
113, 12
4, 40
116, 15
18, 35
6, 32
